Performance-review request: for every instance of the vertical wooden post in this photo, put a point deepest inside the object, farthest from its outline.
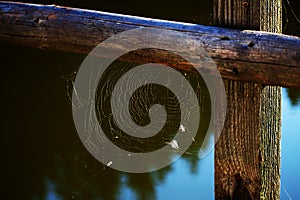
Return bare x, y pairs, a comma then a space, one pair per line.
247, 154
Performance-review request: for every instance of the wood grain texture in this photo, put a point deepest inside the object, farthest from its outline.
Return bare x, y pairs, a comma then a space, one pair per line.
249, 56
247, 152
270, 113
237, 149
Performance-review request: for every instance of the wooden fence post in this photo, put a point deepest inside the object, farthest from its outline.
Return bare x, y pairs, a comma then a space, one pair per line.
247, 154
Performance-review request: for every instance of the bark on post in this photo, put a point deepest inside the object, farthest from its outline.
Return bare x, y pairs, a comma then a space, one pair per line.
247, 154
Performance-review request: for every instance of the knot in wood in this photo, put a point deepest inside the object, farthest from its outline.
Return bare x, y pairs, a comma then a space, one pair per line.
245, 4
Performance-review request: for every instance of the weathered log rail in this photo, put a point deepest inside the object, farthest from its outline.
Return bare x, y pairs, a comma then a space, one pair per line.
242, 55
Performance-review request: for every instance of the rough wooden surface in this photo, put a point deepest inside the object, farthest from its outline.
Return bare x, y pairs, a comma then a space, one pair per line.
247, 152
270, 113
237, 149
258, 57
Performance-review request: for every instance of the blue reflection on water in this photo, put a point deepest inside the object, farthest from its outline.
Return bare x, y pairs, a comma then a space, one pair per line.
290, 164
182, 184
51, 194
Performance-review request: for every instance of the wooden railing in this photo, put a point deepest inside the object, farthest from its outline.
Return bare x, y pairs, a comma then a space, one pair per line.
242, 55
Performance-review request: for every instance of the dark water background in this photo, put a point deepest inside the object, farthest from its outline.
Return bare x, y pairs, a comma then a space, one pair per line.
42, 155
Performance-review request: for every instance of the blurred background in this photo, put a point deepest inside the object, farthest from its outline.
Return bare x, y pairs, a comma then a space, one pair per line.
42, 155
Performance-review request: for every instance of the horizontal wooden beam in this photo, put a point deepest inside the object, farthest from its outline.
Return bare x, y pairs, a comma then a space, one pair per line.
242, 55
